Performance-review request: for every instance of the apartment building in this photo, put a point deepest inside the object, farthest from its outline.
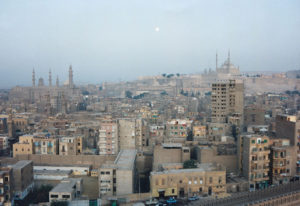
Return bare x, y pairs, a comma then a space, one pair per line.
178, 128
255, 160
283, 161
206, 179
118, 178
70, 145
6, 193
4, 143
227, 98
108, 137
130, 132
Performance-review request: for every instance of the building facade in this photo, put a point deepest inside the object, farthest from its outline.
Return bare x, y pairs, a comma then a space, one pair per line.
256, 161
206, 179
227, 98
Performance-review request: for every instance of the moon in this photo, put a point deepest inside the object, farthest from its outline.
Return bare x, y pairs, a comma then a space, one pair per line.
157, 29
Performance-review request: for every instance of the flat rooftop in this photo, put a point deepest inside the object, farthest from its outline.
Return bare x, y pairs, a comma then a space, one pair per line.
171, 145
66, 185
125, 159
52, 172
204, 167
21, 164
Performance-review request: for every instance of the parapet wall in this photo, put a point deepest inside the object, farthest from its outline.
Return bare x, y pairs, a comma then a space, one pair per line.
95, 160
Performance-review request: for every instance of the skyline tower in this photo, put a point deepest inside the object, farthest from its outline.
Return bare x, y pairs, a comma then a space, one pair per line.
33, 78
50, 78
70, 76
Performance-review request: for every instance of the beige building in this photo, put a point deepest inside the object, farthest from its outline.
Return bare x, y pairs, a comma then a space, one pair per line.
170, 153
70, 145
24, 146
118, 178
22, 178
211, 155
283, 161
227, 98
6, 193
130, 133
255, 160
206, 179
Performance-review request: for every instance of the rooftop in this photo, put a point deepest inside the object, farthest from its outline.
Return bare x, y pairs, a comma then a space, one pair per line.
126, 159
66, 185
204, 167
21, 164
172, 145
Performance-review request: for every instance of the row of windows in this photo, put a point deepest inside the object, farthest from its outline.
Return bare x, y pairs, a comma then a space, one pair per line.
210, 181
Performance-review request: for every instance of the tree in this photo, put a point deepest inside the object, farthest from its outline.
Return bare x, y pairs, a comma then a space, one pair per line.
128, 94
59, 203
163, 93
189, 164
170, 75
164, 75
178, 74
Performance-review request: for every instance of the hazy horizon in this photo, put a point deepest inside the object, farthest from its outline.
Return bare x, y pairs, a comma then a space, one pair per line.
120, 40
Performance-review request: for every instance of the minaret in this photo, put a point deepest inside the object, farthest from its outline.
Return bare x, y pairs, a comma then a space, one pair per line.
10, 123
33, 78
70, 76
216, 61
57, 82
228, 57
50, 78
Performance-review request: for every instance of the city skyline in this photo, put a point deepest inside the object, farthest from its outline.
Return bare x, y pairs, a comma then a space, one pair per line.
124, 40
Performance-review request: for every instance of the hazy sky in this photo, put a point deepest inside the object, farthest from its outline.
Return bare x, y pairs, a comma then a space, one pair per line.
111, 40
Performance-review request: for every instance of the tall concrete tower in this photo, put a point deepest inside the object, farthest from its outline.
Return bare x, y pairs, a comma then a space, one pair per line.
33, 78
70, 76
50, 78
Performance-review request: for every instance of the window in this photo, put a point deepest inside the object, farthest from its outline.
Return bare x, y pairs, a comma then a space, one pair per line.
66, 196
253, 141
173, 191
220, 180
54, 196
108, 173
210, 180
